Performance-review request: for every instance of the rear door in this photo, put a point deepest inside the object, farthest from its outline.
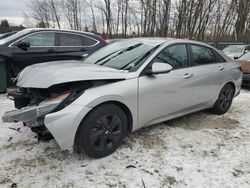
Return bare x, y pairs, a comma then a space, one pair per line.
209, 70
75, 46
163, 96
42, 49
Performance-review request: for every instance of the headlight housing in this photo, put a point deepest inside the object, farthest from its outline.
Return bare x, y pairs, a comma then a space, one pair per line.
64, 99
57, 99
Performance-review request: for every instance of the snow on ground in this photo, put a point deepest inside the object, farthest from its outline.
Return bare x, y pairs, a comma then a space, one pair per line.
198, 150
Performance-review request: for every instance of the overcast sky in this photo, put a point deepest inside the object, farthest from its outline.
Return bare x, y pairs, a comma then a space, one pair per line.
13, 10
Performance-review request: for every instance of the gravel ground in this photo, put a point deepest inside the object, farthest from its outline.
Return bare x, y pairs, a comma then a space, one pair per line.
198, 150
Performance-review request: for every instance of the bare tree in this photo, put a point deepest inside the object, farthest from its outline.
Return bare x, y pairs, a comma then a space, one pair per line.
196, 19
72, 12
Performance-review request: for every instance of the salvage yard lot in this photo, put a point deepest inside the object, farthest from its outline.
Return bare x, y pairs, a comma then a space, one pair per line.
198, 150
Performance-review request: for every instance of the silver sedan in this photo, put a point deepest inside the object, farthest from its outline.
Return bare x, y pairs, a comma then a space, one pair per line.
92, 104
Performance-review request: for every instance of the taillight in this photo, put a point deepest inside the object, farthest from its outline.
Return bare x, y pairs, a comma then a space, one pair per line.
103, 40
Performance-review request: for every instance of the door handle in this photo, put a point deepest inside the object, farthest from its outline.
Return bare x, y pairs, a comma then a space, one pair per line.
51, 51
187, 76
85, 55
221, 68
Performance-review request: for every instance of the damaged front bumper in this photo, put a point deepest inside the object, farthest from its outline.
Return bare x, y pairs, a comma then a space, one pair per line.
57, 117
29, 114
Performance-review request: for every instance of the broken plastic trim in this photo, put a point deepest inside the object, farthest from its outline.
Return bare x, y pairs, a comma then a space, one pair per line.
28, 113
33, 112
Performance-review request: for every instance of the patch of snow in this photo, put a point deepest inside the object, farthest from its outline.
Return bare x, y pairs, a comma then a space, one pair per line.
197, 150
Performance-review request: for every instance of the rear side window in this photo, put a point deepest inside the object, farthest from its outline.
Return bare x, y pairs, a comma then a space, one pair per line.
175, 55
202, 55
88, 41
70, 40
41, 39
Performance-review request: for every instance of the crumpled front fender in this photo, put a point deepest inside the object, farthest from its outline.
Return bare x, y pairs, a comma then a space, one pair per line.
63, 124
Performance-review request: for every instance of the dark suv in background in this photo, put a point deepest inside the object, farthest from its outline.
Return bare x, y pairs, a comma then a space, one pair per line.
36, 45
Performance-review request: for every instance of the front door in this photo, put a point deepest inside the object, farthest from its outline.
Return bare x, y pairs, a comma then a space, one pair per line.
168, 95
42, 49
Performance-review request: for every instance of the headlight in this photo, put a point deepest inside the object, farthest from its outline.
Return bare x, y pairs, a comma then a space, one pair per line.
64, 99
57, 99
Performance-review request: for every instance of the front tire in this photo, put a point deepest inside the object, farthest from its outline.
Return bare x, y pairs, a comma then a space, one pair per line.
102, 131
224, 100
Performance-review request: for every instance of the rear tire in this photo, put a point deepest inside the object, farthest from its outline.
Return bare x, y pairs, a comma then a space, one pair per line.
102, 131
224, 100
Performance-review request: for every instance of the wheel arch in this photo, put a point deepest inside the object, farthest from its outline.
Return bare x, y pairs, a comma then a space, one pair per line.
124, 107
232, 84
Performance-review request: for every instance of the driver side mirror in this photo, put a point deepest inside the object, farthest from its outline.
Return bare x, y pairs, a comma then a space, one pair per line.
160, 68
23, 45
246, 51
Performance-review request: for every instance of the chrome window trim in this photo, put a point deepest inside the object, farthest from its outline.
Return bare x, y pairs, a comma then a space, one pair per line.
82, 35
169, 43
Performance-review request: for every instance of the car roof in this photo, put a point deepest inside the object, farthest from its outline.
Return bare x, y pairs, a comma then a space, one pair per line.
64, 30
160, 40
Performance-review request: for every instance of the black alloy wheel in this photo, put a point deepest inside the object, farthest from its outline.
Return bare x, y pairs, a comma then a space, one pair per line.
224, 100
106, 132
102, 131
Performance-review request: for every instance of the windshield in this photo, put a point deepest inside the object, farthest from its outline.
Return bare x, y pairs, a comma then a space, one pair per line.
121, 55
245, 57
5, 35
16, 35
234, 49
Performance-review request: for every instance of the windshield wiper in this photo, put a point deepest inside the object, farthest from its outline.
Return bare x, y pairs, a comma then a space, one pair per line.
130, 62
106, 56
121, 52
140, 57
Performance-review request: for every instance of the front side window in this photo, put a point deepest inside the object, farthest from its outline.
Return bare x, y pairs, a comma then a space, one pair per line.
41, 39
202, 55
175, 55
70, 40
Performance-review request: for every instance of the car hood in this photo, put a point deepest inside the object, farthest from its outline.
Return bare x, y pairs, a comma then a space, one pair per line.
45, 75
232, 55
